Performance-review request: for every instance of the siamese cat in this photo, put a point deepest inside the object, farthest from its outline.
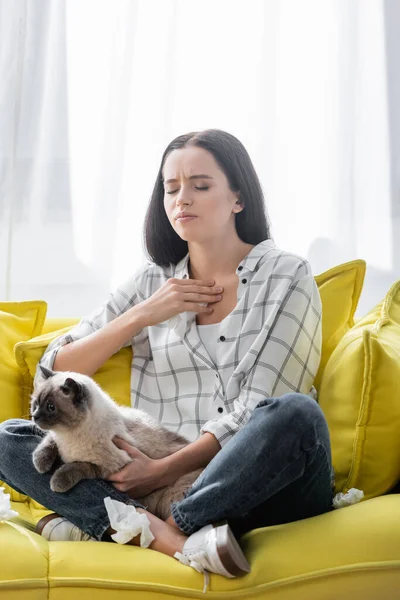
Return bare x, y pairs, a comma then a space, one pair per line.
81, 421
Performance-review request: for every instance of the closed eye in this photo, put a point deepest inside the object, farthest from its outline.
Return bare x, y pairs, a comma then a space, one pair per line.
197, 188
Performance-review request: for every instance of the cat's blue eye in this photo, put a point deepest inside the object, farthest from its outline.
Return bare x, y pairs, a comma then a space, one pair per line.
50, 407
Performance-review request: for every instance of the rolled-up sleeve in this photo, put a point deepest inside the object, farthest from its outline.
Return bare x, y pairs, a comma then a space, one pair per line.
284, 357
122, 299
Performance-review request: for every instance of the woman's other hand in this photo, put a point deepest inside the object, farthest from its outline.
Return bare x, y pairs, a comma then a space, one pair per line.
142, 475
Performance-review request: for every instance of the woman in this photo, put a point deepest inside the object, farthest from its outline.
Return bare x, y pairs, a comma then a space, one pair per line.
226, 331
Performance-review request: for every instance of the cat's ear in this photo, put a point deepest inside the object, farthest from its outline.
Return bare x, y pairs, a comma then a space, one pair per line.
46, 372
70, 385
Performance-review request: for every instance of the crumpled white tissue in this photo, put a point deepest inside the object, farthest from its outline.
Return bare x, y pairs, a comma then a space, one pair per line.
128, 523
179, 322
351, 497
6, 512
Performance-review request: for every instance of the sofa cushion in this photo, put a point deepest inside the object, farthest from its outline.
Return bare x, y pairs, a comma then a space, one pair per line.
360, 398
113, 376
340, 290
19, 321
352, 551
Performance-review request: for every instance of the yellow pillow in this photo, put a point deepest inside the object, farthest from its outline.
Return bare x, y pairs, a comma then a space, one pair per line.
113, 376
340, 290
18, 321
360, 398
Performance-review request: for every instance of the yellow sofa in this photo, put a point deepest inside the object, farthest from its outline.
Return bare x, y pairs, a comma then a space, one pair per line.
352, 552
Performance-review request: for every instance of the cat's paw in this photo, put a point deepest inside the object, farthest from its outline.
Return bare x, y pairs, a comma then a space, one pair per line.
61, 481
42, 460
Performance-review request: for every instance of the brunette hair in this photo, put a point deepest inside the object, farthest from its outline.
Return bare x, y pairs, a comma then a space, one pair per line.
162, 243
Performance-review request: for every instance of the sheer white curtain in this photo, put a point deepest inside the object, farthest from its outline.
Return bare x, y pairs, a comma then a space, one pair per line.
91, 92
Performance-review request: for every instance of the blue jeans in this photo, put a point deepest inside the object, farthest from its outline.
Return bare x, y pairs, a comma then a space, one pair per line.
276, 469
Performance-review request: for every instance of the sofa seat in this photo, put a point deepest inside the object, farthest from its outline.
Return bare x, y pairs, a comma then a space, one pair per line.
354, 551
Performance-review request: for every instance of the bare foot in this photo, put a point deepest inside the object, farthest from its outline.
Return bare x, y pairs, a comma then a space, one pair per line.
171, 521
168, 538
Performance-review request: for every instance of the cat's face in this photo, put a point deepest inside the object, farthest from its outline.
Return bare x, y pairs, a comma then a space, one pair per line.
62, 401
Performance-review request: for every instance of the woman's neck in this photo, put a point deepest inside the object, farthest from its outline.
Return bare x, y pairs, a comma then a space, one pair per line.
204, 264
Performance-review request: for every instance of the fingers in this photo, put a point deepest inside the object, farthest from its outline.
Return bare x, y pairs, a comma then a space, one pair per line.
117, 477
124, 445
131, 450
204, 287
196, 281
195, 297
121, 487
121, 476
213, 290
205, 295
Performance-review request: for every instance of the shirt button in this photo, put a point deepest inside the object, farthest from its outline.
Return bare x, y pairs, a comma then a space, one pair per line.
240, 268
220, 409
216, 375
222, 338
244, 280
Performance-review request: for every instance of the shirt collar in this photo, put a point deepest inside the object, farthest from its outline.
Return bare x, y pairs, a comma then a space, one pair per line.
249, 262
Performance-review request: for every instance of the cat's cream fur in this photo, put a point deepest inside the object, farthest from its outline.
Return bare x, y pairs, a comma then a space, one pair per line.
81, 421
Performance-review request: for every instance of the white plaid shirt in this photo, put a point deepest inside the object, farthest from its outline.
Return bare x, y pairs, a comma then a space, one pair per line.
269, 345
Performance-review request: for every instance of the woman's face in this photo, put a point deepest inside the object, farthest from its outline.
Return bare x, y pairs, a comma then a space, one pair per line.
207, 197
